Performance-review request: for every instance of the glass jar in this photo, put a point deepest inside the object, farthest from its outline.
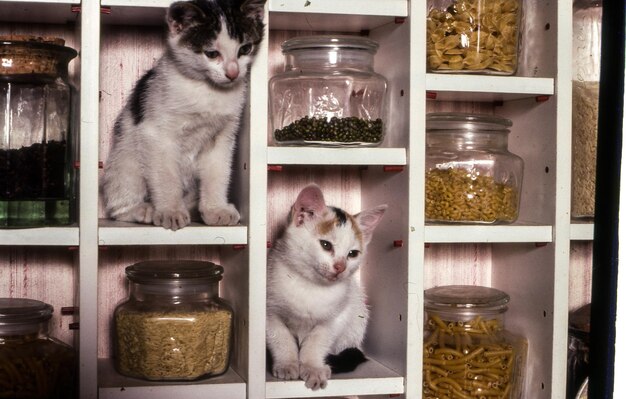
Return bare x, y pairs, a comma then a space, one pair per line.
173, 326
471, 177
329, 93
472, 36
467, 350
36, 147
33, 365
585, 96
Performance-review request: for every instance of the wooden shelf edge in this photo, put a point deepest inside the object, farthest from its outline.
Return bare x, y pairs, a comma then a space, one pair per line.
336, 156
40, 236
436, 234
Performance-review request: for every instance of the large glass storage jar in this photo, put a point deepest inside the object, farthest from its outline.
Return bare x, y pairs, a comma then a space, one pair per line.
473, 36
329, 93
33, 365
468, 353
587, 26
173, 326
471, 177
36, 143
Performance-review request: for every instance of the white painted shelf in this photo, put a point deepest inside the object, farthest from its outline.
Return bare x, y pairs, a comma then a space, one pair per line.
42, 236
335, 156
115, 386
370, 378
518, 233
121, 233
448, 87
581, 231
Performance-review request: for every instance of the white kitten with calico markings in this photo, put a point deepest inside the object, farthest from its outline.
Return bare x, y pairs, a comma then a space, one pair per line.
174, 141
316, 311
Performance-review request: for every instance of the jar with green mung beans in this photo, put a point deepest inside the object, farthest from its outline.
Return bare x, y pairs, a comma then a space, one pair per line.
471, 176
329, 93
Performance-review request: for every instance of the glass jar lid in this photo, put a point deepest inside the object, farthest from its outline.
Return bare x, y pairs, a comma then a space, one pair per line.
466, 299
33, 55
328, 42
22, 315
466, 122
174, 271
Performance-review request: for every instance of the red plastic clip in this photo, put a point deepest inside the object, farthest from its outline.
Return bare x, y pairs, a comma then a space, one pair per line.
74, 326
269, 244
275, 168
431, 95
393, 168
68, 310
399, 20
398, 243
239, 247
541, 99
105, 10
75, 8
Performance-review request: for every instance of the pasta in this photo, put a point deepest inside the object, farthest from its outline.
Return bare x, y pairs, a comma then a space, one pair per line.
470, 360
474, 36
173, 345
459, 195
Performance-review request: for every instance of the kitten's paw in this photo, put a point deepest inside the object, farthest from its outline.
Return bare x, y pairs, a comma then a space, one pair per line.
289, 371
171, 219
315, 377
225, 215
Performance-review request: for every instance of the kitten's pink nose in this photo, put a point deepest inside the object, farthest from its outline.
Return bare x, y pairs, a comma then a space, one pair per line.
339, 267
232, 71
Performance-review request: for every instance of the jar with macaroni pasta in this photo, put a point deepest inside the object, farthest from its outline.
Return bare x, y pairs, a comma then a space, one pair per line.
33, 364
472, 36
173, 326
471, 176
468, 353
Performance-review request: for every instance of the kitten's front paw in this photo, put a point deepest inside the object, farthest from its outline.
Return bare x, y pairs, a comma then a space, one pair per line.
315, 377
225, 215
288, 371
169, 219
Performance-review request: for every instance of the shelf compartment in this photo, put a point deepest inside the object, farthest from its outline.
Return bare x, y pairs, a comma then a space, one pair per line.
38, 11
437, 234
335, 156
370, 378
43, 236
122, 233
486, 88
581, 231
113, 385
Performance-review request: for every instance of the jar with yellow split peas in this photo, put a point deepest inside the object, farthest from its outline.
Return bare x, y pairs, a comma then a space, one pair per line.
468, 353
471, 177
173, 326
473, 36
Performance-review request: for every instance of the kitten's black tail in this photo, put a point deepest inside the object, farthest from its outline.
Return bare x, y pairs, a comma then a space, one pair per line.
343, 362
346, 360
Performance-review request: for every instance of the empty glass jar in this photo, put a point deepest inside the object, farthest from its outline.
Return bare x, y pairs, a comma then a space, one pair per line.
33, 365
329, 94
471, 177
472, 36
173, 326
468, 353
36, 143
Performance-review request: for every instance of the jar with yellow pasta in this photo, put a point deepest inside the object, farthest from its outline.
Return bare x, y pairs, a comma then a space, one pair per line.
473, 36
471, 177
468, 353
173, 326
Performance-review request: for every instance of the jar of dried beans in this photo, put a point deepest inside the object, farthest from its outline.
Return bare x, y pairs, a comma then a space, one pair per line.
471, 177
37, 149
33, 364
472, 36
173, 326
468, 353
329, 93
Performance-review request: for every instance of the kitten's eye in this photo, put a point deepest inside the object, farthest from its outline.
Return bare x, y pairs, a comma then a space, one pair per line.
212, 54
353, 253
245, 49
326, 245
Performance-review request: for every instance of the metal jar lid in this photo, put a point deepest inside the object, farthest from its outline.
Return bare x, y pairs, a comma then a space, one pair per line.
22, 315
174, 271
466, 299
328, 42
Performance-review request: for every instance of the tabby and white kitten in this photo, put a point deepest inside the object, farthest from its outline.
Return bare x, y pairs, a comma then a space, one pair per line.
174, 141
316, 311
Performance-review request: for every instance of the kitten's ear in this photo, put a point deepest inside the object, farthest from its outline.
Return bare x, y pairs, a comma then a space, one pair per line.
369, 219
309, 204
254, 8
183, 14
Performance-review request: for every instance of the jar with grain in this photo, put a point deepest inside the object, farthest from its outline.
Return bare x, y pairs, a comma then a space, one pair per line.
33, 364
173, 326
37, 150
473, 36
329, 93
468, 353
471, 177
